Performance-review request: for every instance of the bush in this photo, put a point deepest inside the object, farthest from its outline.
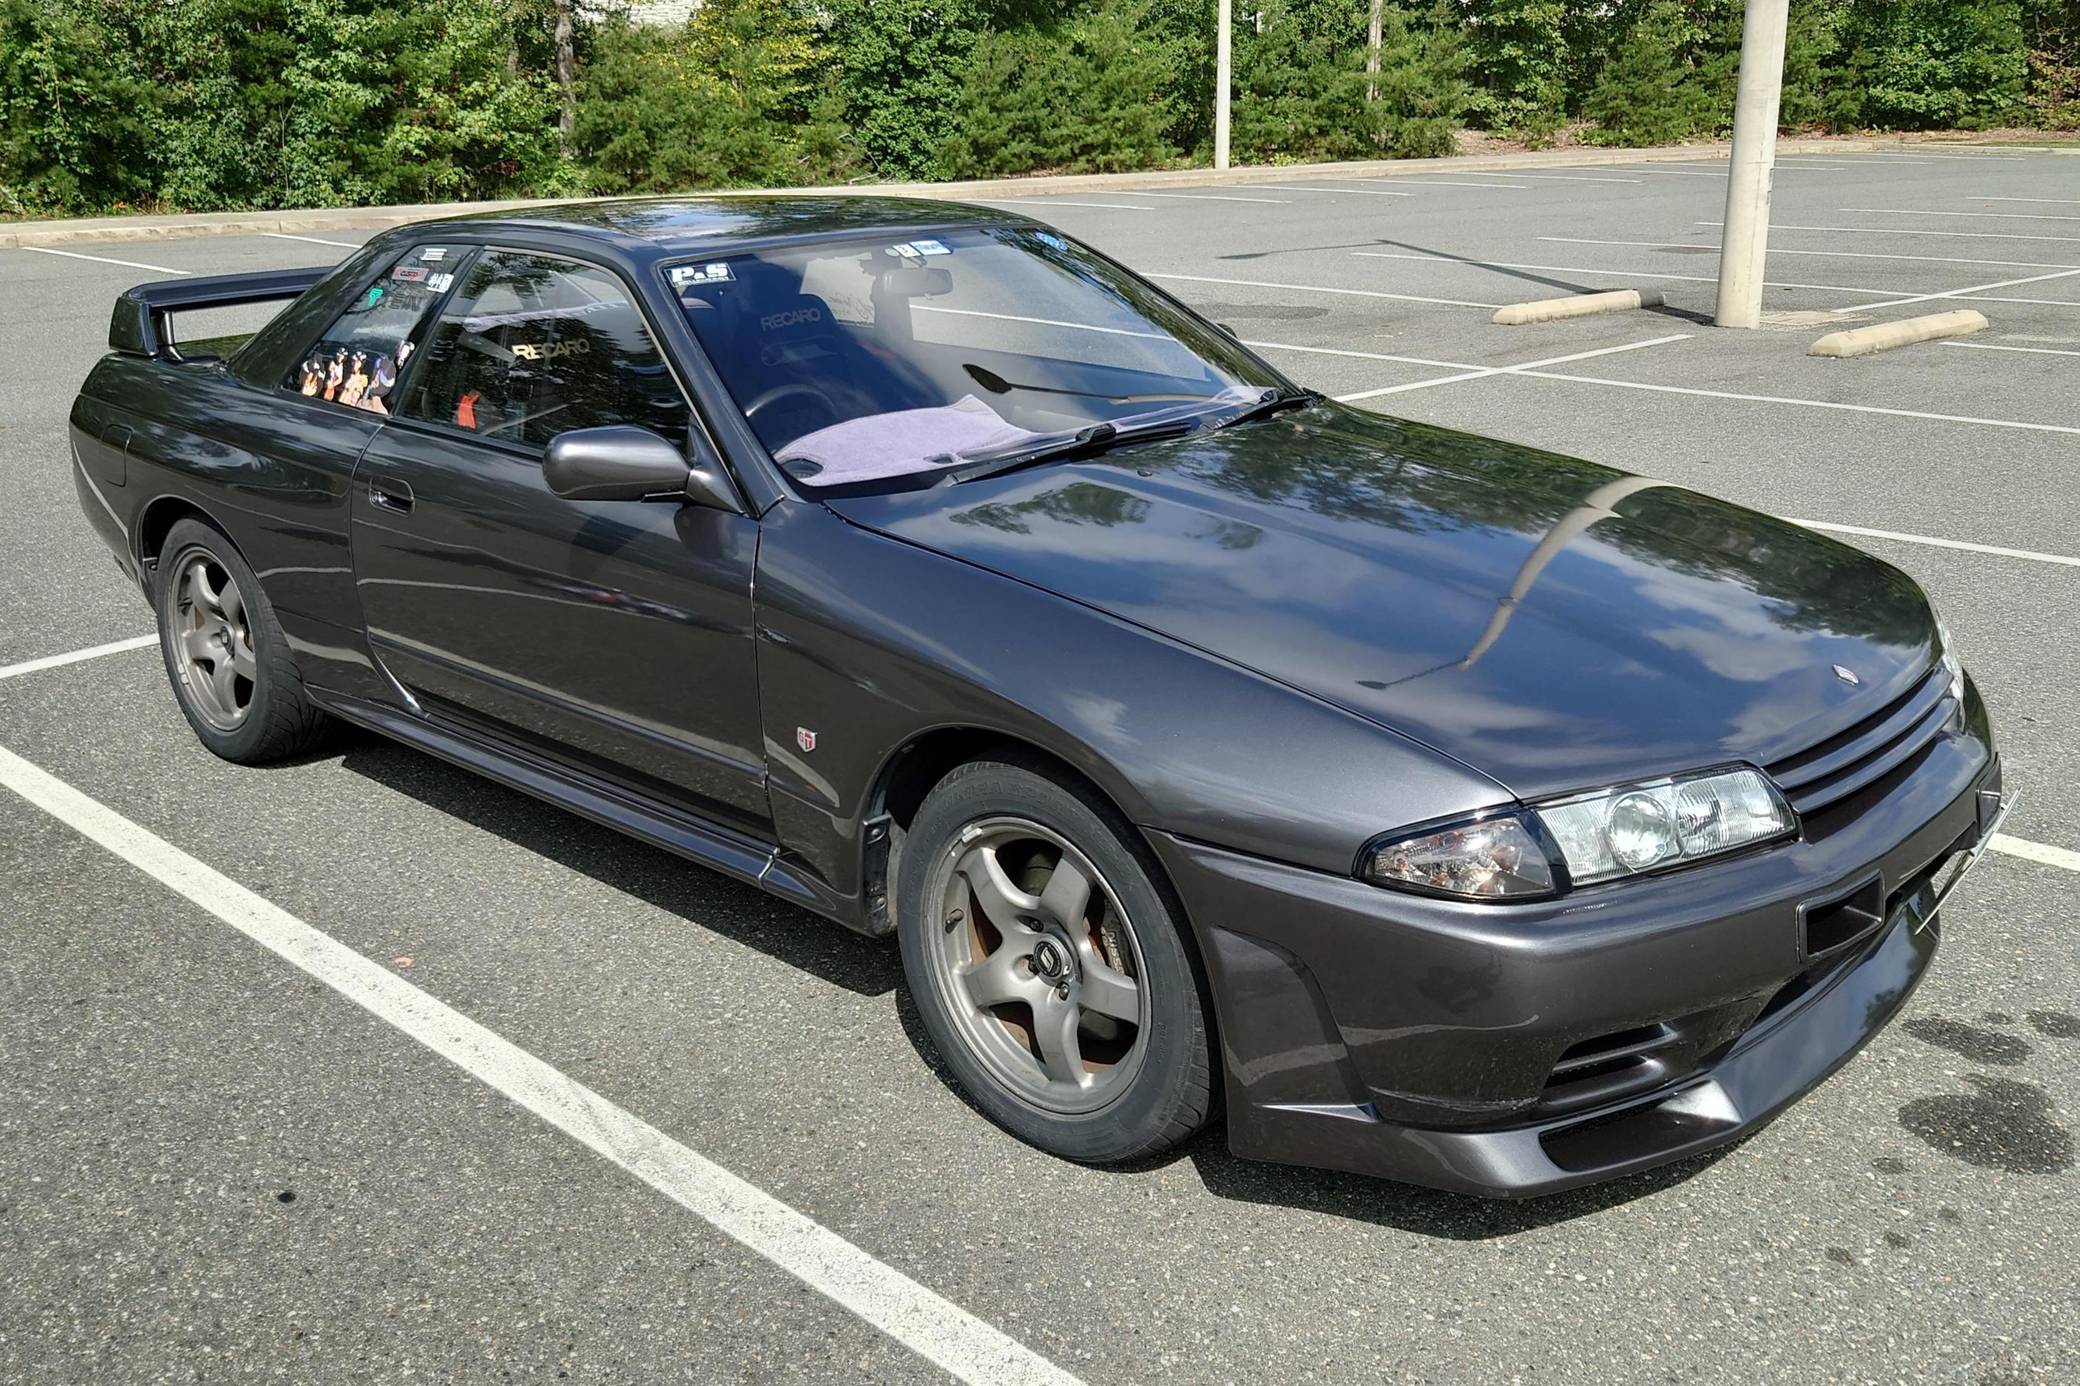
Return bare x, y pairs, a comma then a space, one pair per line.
900, 65
1086, 96
75, 114
1656, 89
1302, 92
730, 98
1935, 64
1520, 61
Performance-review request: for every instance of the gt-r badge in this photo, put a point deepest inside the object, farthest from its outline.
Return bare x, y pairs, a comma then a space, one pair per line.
805, 738
1847, 676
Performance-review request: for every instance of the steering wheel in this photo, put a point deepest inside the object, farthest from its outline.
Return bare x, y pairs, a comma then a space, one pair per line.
793, 390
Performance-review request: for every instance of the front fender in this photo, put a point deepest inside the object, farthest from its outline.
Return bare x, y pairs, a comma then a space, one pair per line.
866, 642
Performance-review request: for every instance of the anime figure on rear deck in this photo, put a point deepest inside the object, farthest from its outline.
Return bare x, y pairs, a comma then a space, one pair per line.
356, 383
382, 379
335, 374
313, 375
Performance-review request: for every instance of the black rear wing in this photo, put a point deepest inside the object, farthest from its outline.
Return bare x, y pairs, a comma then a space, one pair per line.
142, 324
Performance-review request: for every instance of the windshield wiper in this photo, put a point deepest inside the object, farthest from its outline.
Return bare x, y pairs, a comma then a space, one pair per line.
998, 385
1099, 437
1272, 401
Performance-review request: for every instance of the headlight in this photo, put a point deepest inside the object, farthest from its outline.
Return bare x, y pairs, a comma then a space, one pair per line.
1496, 858
1642, 827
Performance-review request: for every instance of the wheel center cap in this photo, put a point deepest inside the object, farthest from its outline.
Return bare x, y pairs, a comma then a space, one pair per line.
1050, 961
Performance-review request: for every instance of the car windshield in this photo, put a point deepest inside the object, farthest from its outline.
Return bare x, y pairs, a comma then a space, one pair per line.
880, 364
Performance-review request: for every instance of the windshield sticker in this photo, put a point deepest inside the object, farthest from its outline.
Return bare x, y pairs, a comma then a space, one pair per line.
375, 295
930, 248
1049, 239
410, 274
433, 253
439, 283
684, 276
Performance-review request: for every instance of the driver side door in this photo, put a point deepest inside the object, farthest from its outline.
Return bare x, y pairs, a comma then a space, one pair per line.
611, 637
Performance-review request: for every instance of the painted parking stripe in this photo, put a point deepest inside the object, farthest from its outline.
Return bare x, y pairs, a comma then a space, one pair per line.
1446, 183
1971, 289
1907, 231
1057, 202
1321, 289
1609, 273
1363, 355
934, 1328
1552, 177
1832, 254
1216, 197
2040, 852
1924, 212
1339, 192
1993, 346
313, 240
58, 661
1480, 372
2051, 201
105, 260
1798, 403
1929, 541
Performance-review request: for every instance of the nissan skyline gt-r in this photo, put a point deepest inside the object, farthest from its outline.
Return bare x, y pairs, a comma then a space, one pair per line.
1417, 804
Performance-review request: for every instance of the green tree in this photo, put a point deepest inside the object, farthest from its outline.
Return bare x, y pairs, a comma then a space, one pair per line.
76, 115
1934, 64
1520, 62
901, 64
1655, 90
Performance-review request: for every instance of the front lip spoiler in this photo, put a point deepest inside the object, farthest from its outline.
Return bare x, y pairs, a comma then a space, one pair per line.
1994, 808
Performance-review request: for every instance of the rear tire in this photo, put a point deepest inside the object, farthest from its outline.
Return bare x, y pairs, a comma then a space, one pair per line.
225, 652
1050, 967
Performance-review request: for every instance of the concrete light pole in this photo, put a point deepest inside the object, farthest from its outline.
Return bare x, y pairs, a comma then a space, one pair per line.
1223, 66
1754, 161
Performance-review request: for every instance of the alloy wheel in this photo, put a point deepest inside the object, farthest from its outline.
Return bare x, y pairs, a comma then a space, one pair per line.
1039, 965
212, 640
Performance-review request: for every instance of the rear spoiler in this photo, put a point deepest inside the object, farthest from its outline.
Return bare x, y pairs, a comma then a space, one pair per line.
140, 325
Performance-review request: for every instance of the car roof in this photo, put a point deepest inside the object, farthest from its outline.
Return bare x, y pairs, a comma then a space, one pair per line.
660, 227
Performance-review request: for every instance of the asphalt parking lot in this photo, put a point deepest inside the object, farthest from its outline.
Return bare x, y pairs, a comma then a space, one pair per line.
214, 1166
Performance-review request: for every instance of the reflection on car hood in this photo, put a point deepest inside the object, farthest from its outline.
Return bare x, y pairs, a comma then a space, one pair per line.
1552, 623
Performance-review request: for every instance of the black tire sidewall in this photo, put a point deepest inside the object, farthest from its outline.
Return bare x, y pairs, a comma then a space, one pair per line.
254, 738
1171, 1096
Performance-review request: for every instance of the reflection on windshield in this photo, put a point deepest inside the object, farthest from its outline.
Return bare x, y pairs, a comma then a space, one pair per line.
860, 363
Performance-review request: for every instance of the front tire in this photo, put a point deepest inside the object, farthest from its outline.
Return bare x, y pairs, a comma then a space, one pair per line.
1050, 967
225, 652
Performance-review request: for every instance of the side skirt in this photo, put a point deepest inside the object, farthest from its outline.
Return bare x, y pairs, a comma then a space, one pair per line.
708, 844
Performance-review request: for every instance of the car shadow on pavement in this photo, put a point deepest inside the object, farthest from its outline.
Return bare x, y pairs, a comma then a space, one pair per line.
740, 912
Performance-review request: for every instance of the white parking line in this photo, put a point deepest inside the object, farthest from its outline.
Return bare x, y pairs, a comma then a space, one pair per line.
314, 240
2036, 851
1984, 346
1928, 541
1057, 202
1970, 289
105, 260
1478, 373
1905, 231
1800, 403
934, 1328
1924, 212
2057, 201
1681, 172
1339, 192
1041, 322
58, 661
1217, 197
1621, 274
1834, 254
1362, 355
1552, 177
1446, 183
1321, 289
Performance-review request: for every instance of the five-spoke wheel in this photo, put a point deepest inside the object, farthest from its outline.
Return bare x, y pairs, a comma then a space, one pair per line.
213, 642
1049, 965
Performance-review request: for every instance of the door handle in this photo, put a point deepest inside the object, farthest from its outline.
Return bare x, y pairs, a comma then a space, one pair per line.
387, 493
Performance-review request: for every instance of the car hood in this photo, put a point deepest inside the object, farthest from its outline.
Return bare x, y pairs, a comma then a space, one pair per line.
1551, 623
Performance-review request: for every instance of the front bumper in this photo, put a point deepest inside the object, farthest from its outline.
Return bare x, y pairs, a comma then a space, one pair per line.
1522, 1050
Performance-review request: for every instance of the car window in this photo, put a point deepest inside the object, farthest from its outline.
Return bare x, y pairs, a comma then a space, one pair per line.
356, 362
531, 346
864, 361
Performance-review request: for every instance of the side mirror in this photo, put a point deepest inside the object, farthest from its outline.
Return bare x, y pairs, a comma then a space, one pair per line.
623, 462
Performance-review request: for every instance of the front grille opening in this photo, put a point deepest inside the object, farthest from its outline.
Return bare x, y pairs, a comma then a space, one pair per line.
1874, 750
1839, 923
1625, 1137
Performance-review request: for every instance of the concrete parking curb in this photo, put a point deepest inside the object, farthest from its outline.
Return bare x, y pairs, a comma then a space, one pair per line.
1885, 336
1576, 306
306, 221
